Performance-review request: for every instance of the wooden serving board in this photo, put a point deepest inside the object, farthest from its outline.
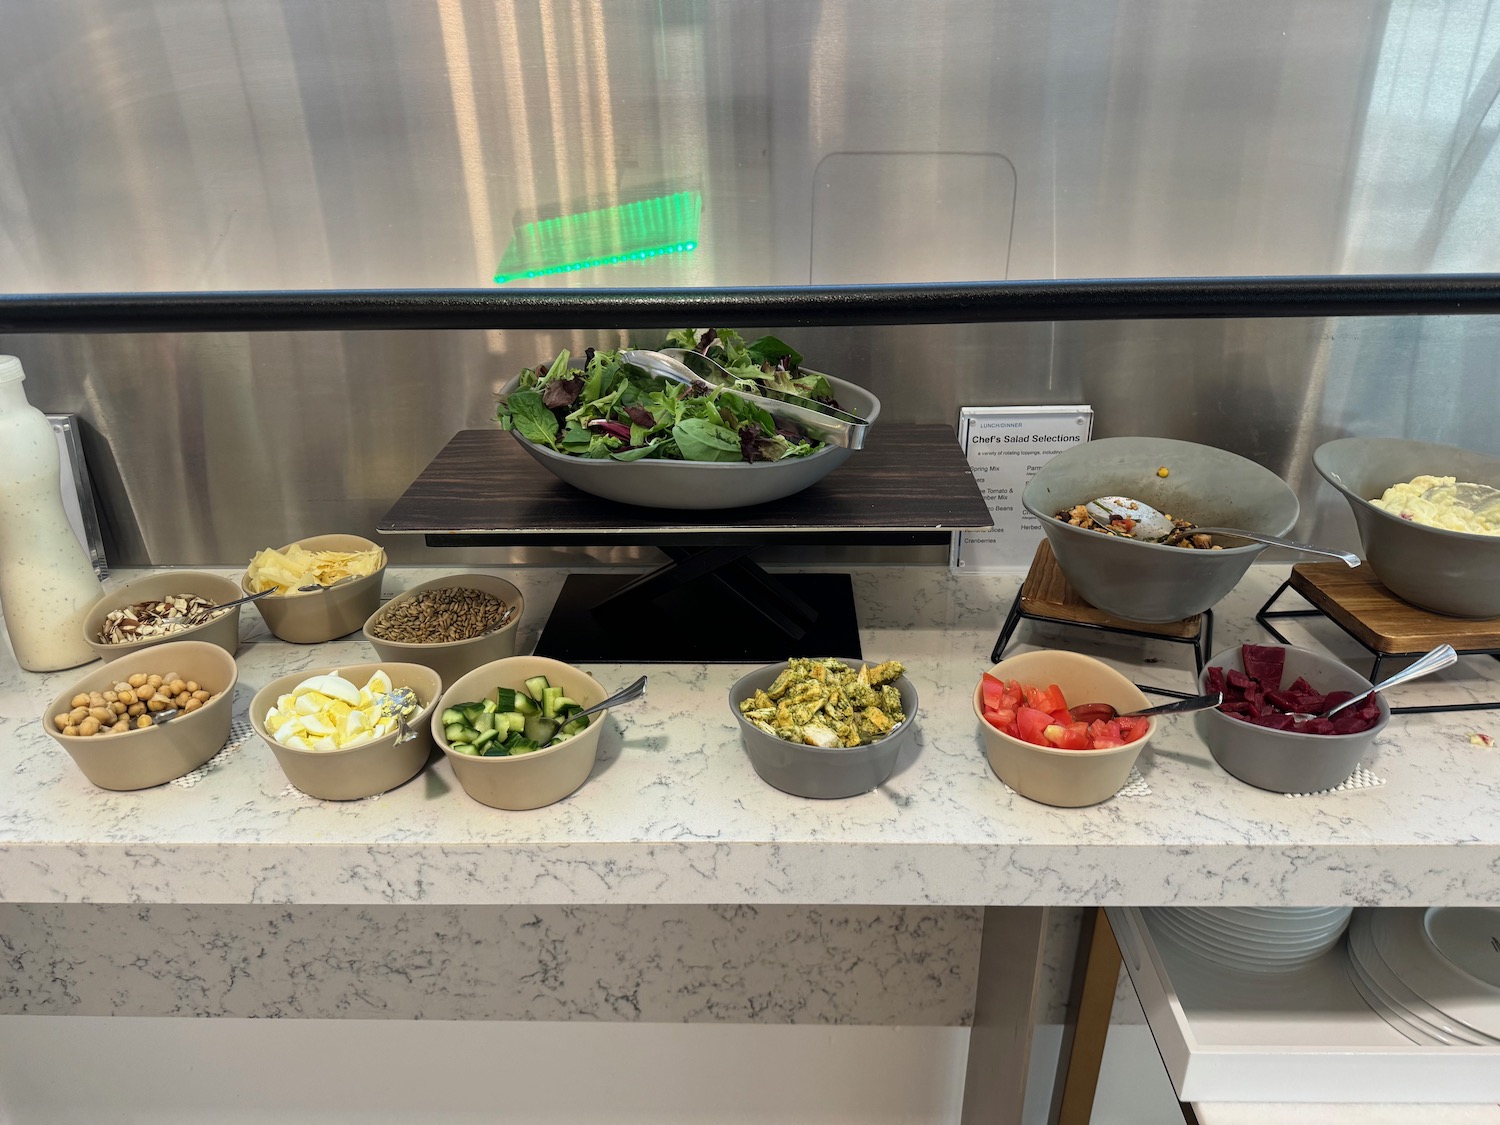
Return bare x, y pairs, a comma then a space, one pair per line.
1356, 601
911, 484
1046, 593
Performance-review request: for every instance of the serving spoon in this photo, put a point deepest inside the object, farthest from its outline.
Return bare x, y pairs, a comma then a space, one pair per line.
537, 725
1438, 658
1150, 526
213, 610
1088, 712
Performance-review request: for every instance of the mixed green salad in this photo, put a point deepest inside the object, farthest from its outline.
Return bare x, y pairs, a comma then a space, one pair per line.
608, 408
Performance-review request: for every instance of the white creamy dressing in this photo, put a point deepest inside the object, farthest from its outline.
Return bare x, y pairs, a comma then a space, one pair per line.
47, 584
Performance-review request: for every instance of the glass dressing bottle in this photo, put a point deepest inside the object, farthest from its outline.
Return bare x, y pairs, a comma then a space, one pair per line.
47, 584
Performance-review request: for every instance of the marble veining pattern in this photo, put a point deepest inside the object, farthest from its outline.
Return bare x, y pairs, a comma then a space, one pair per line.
839, 965
674, 814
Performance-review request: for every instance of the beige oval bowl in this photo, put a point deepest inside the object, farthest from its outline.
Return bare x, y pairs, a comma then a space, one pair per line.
139, 759
322, 615
1065, 778
542, 777
358, 771
452, 659
223, 629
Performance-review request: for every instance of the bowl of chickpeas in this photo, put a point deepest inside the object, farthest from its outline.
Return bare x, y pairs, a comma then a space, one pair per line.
148, 717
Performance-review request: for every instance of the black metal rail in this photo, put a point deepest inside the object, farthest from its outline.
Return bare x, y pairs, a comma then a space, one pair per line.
843, 305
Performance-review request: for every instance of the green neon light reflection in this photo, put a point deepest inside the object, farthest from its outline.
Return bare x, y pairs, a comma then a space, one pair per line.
629, 232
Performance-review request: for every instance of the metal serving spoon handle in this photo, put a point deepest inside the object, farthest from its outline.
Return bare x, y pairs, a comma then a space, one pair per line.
1438, 658
1348, 558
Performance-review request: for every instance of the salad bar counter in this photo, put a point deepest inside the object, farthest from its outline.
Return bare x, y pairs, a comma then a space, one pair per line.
673, 812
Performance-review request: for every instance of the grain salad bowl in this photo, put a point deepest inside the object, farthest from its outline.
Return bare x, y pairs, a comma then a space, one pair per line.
526, 781
139, 759
450, 659
1150, 582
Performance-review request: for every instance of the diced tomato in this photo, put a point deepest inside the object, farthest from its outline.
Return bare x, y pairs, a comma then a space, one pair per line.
992, 691
1030, 723
1002, 718
1070, 736
1133, 728
1049, 700
1105, 733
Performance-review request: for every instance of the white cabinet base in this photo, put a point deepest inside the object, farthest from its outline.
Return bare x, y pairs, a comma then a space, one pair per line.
1306, 1036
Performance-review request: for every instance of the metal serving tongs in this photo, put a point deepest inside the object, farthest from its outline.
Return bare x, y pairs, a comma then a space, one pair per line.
818, 420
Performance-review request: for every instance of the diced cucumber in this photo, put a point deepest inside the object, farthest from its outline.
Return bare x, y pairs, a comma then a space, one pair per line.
536, 686
539, 729
484, 721
572, 726
458, 732
512, 720
550, 697
507, 699
486, 737
489, 705
518, 744
471, 711
462, 748
453, 715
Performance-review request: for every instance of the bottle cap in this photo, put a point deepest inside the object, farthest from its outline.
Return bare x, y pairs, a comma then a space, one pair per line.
10, 370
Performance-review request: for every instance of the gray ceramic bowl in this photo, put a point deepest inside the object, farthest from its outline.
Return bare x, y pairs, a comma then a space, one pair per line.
1146, 581
811, 771
1449, 572
1285, 761
701, 485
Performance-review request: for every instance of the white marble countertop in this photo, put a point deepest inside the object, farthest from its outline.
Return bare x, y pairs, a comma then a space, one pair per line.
673, 812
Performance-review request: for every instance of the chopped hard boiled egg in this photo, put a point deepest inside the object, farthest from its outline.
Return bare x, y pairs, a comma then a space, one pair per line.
329, 712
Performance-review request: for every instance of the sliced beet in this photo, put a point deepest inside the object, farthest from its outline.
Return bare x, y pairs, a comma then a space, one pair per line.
1264, 663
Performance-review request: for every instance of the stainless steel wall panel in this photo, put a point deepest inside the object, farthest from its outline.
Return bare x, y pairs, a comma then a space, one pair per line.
259, 144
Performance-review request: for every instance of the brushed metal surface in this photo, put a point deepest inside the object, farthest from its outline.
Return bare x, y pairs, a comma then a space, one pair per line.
252, 144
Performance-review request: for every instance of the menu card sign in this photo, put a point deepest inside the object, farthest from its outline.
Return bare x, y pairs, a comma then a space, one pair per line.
1005, 446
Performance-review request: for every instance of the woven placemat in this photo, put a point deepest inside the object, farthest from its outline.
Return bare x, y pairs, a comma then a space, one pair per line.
1361, 778
1135, 786
239, 730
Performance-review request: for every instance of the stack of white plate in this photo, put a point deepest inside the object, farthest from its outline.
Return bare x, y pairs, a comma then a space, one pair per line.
1433, 975
1254, 939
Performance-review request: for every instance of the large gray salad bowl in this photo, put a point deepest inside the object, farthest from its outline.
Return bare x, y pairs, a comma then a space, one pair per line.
1147, 582
1452, 572
701, 485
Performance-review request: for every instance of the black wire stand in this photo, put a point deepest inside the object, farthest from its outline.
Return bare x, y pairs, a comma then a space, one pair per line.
1344, 616
1044, 585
